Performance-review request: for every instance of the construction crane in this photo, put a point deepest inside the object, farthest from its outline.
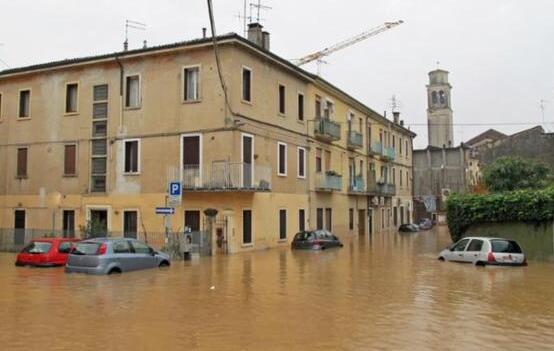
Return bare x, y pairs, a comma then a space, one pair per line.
346, 43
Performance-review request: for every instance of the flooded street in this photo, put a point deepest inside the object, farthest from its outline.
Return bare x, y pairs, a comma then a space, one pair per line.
387, 293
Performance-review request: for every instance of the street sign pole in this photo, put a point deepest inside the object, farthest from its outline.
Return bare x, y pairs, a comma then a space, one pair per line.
166, 225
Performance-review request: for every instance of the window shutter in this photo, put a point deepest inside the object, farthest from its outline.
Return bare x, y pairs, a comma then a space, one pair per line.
70, 160
22, 162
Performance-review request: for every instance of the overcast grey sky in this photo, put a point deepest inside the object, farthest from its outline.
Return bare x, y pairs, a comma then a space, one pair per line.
500, 53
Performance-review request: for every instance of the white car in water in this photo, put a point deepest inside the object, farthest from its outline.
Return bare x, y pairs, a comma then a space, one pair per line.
483, 251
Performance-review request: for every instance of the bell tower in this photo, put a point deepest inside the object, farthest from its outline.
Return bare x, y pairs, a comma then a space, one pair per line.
439, 110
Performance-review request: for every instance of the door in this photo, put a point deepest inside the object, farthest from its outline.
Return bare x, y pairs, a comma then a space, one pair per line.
247, 161
301, 220
361, 222
142, 256
19, 228
329, 219
68, 224
395, 216
130, 224
457, 252
370, 221
191, 162
247, 227
473, 251
98, 223
123, 255
319, 218
192, 221
401, 214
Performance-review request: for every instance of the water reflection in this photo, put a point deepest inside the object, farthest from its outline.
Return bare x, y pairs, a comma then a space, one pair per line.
385, 292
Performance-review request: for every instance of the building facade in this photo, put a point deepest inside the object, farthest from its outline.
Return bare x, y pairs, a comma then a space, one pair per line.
94, 142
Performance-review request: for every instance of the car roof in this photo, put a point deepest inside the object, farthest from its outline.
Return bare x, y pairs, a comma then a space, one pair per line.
52, 240
107, 240
486, 238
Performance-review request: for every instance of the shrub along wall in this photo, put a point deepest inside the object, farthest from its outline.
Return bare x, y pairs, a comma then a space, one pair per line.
528, 206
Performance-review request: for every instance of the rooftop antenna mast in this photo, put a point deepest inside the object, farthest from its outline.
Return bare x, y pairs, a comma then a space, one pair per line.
2, 61
134, 25
258, 6
395, 104
542, 107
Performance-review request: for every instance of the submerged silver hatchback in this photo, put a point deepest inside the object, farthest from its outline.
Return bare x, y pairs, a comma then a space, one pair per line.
113, 255
483, 251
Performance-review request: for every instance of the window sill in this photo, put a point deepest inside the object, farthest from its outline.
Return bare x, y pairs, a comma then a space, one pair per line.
246, 102
70, 176
282, 241
280, 114
301, 177
247, 245
21, 177
131, 173
23, 118
187, 102
282, 175
132, 108
70, 114
301, 121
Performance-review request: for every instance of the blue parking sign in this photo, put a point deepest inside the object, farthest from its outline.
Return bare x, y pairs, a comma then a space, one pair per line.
175, 189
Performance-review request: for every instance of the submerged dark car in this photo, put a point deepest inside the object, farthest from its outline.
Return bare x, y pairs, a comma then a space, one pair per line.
425, 224
408, 227
315, 240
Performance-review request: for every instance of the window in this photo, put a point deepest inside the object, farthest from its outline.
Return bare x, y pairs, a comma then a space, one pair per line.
460, 245
191, 83
319, 218
0, 105
351, 218
246, 84
329, 219
281, 99
329, 109
70, 159
327, 160
24, 104
406, 149
394, 142
121, 247
99, 129
400, 145
318, 160
317, 106
282, 224
68, 224
132, 151
300, 106
132, 91
71, 97
401, 176
394, 175
301, 220
505, 246
22, 162
301, 162
281, 159
247, 226
141, 248
475, 245
64, 247
130, 224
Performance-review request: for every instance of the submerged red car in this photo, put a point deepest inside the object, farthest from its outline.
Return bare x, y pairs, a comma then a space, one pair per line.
45, 252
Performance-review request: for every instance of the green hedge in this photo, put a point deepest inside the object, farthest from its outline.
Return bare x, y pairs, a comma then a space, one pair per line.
529, 206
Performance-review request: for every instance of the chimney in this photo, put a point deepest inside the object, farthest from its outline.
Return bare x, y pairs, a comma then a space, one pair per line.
125, 45
402, 123
257, 36
144, 44
396, 117
204, 32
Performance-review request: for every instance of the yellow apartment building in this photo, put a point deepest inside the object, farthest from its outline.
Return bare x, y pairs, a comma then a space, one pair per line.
97, 140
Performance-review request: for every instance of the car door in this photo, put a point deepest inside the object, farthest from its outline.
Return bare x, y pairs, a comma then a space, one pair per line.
64, 247
473, 251
143, 257
122, 255
457, 251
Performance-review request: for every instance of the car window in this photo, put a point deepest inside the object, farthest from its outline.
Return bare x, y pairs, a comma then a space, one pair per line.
475, 245
460, 245
141, 248
65, 247
505, 246
121, 247
86, 248
37, 247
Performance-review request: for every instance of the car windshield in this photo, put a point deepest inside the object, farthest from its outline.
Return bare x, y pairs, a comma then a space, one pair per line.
505, 246
37, 247
86, 248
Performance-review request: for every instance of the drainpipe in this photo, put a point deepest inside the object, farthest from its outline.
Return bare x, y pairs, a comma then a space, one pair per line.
121, 76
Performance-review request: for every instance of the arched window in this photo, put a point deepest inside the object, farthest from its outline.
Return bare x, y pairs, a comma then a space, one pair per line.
434, 99
442, 97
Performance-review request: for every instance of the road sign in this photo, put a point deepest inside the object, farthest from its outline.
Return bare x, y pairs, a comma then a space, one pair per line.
165, 210
175, 193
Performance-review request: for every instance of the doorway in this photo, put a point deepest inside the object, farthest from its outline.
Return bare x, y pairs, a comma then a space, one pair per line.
19, 227
361, 222
247, 160
98, 223
192, 221
370, 220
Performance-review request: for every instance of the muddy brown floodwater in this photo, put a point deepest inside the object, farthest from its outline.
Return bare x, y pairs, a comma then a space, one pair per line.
384, 293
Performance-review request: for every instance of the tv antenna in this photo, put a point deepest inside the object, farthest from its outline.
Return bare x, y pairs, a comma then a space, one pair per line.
542, 107
395, 104
133, 25
251, 17
2, 61
258, 6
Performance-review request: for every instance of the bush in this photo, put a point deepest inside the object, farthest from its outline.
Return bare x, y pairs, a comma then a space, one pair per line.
529, 206
513, 173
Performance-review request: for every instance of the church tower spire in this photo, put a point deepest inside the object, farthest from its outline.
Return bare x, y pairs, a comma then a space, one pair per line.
439, 110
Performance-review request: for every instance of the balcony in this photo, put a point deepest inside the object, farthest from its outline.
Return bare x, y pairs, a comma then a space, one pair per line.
356, 185
326, 130
226, 176
355, 140
389, 154
328, 182
380, 188
376, 148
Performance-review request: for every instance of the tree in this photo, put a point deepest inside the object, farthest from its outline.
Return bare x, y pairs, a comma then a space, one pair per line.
513, 173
